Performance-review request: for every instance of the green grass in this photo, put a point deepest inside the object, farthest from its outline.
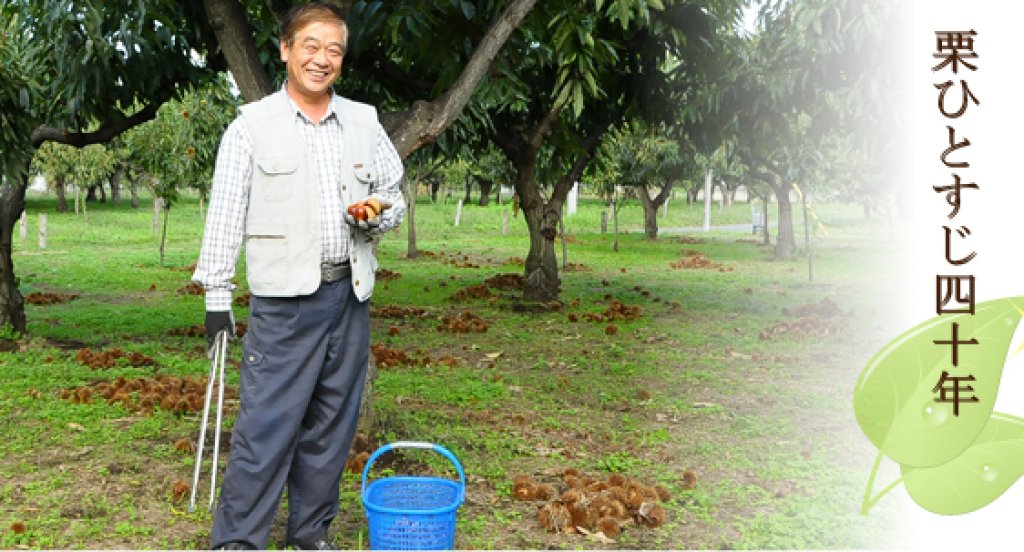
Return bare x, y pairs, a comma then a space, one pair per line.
692, 384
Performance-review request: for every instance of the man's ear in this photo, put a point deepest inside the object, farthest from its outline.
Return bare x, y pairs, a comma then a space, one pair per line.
284, 51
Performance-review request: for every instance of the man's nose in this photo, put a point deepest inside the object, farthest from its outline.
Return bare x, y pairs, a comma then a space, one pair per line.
321, 57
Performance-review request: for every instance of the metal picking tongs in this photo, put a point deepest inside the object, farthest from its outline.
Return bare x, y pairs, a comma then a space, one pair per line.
216, 367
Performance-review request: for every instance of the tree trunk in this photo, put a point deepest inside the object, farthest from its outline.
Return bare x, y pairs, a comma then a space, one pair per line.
61, 188
615, 225
541, 265
764, 231
435, 185
12, 203
234, 35
651, 206
650, 213
90, 193
410, 215
785, 245
115, 187
163, 233
469, 189
485, 190
366, 419
708, 192
691, 195
134, 188
728, 194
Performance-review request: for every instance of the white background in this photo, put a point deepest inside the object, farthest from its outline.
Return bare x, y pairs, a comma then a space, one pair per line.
994, 213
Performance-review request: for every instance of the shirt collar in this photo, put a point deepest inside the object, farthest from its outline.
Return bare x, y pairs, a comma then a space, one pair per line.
331, 112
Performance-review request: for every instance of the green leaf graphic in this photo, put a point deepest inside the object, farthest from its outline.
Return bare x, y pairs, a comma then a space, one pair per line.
894, 402
978, 476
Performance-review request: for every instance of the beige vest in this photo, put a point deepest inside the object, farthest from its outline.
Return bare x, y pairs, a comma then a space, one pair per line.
282, 227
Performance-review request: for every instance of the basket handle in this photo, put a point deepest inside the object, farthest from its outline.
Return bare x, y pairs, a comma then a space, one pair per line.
418, 445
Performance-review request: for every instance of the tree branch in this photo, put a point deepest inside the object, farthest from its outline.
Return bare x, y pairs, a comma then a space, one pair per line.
663, 194
427, 120
104, 134
587, 146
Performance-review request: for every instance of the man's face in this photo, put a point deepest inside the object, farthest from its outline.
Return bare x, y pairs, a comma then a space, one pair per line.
314, 58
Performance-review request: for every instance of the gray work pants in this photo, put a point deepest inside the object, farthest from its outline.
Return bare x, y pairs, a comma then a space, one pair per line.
303, 366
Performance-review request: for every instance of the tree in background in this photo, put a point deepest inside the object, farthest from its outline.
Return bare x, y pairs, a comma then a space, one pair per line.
83, 72
602, 64
177, 149
639, 157
96, 71
815, 67
84, 167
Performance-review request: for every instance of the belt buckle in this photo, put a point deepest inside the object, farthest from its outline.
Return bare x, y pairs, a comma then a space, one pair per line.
330, 273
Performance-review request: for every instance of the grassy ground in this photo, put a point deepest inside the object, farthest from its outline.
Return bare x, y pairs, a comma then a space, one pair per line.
737, 372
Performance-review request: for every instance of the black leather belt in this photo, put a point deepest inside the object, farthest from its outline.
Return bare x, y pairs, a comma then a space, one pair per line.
332, 272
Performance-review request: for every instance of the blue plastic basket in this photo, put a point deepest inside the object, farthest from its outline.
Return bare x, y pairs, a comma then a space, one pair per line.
413, 513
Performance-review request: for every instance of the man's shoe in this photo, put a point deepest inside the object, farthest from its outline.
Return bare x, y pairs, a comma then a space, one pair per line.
322, 544
234, 545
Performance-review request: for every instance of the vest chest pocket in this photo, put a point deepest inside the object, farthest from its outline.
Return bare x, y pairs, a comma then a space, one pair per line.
273, 181
366, 176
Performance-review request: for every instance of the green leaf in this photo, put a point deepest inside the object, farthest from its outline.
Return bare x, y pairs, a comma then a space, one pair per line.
893, 399
981, 474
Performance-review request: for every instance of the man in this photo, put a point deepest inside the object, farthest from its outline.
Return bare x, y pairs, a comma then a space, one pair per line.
287, 169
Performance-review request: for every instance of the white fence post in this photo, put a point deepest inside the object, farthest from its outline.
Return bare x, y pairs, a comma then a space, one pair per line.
42, 230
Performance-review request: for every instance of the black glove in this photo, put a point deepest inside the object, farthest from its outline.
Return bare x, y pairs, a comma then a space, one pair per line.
216, 322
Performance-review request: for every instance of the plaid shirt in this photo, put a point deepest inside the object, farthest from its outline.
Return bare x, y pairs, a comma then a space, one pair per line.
229, 199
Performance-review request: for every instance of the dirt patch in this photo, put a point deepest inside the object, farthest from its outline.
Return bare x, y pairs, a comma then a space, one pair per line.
464, 322
824, 308
66, 344
456, 259
617, 311
388, 357
194, 330
535, 308
695, 260
46, 298
191, 289
803, 327
480, 291
505, 282
197, 330
395, 312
